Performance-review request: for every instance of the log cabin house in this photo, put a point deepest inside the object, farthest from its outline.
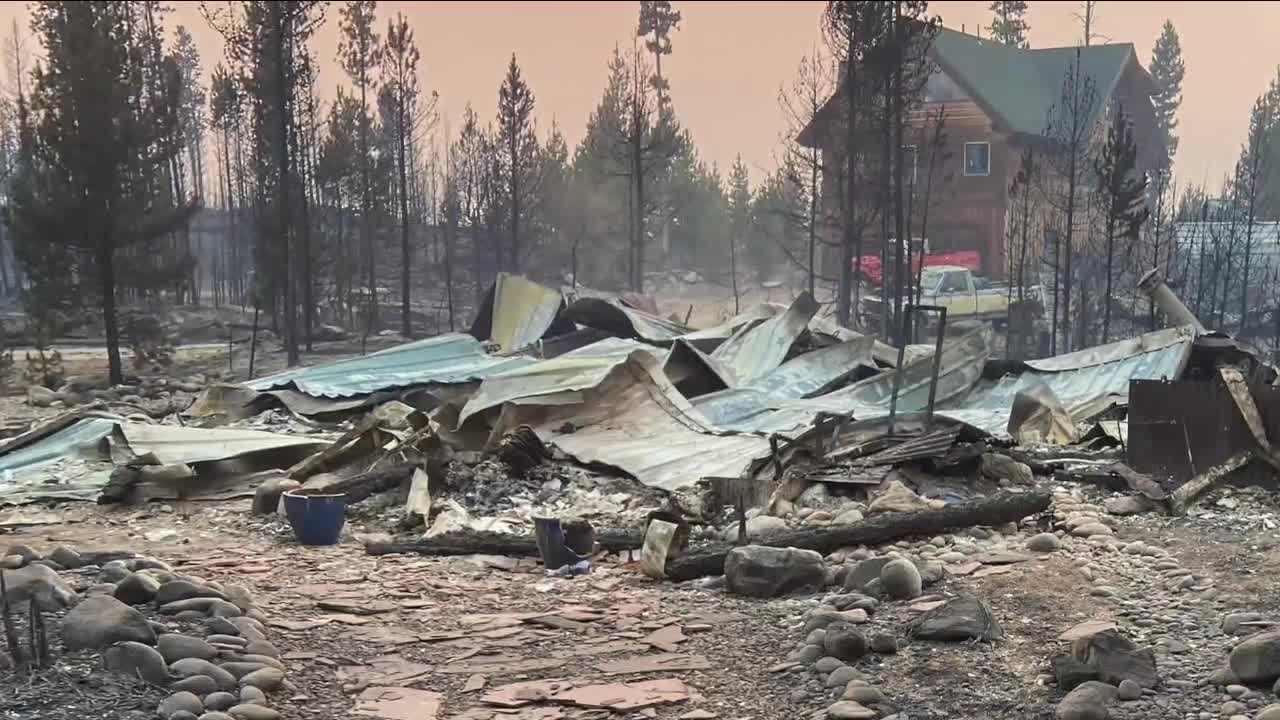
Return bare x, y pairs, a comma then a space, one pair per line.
996, 101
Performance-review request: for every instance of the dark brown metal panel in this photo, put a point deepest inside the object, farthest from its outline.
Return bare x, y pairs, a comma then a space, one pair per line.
1180, 429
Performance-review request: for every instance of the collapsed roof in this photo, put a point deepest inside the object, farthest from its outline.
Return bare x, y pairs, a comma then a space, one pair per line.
665, 404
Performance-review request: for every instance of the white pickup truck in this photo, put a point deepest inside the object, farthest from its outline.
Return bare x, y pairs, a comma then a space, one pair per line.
965, 296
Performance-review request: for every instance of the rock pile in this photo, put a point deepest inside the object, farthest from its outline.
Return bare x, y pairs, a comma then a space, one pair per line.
227, 673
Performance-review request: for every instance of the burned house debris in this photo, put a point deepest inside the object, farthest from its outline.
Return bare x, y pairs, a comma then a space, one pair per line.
589, 436
775, 396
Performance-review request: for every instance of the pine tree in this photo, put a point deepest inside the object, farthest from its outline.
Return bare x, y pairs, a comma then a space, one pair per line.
559, 219
905, 51
600, 172
337, 171
225, 115
267, 40
802, 166
1024, 197
659, 19
1070, 128
855, 30
1167, 70
472, 168
1008, 25
520, 150
98, 140
360, 51
1252, 170
401, 69
191, 104
739, 219
1122, 192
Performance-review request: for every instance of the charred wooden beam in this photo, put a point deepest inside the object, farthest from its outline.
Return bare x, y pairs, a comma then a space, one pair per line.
359, 487
1181, 499
472, 542
991, 510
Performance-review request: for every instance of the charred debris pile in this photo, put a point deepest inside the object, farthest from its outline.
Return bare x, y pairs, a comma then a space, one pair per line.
775, 424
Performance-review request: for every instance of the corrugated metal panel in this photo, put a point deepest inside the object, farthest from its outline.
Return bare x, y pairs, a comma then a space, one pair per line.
753, 411
738, 409
1086, 382
931, 445
814, 372
444, 359
884, 354
636, 421
68, 441
753, 351
26, 477
618, 319
694, 372
176, 444
574, 371
1116, 351
961, 368
522, 311
724, 330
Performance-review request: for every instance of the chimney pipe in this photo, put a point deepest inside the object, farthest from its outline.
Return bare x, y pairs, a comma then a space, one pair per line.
1154, 286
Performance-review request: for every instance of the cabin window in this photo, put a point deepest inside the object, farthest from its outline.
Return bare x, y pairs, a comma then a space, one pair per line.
977, 158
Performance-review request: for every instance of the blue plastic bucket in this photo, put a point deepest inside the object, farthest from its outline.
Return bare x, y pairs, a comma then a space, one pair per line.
316, 519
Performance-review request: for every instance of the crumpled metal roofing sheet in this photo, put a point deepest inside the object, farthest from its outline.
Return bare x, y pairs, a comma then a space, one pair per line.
753, 411
886, 355
520, 312
574, 371
637, 421
1086, 382
814, 372
26, 477
708, 339
755, 350
69, 440
962, 363
613, 316
741, 410
177, 444
444, 359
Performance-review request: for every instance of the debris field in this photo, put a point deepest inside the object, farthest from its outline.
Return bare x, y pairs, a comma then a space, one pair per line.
580, 509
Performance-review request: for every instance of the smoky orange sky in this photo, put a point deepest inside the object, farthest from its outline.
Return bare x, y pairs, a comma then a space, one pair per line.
731, 57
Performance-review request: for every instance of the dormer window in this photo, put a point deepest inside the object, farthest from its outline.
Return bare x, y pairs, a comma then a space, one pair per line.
977, 158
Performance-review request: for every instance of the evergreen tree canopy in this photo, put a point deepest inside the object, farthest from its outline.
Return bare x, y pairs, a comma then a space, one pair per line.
100, 140
1167, 70
1008, 24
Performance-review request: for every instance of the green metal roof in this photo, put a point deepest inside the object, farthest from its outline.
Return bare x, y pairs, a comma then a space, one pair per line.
1017, 86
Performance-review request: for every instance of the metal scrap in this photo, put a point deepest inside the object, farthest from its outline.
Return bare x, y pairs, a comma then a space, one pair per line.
634, 419
170, 460
618, 319
517, 312
819, 371
554, 382
444, 359
1086, 382
756, 349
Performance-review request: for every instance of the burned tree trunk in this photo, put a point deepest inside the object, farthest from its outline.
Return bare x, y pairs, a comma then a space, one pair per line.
493, 543
994, 510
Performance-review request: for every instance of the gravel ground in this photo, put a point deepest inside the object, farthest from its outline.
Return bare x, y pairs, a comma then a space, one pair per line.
439, 622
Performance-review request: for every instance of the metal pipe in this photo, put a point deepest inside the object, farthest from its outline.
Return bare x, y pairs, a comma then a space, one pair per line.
908, 312
937, 366
897, 372
1174, 310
